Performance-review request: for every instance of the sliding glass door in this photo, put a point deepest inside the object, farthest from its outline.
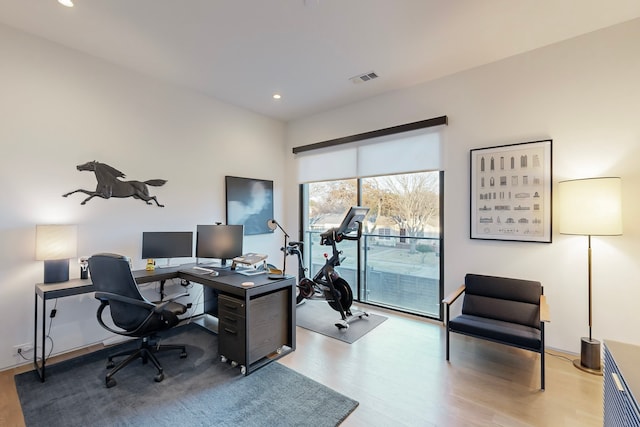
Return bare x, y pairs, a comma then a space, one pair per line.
397, 263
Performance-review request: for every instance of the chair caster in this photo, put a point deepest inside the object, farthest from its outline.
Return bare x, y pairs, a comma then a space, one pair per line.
342, 325
110, 382
158, 378
223, 359
243, 370
110, 364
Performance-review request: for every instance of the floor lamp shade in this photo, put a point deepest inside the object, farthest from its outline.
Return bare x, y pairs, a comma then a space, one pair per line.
55, 245
590, 207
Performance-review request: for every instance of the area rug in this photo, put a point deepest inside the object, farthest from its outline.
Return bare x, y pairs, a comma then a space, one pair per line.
318, 316
197, 391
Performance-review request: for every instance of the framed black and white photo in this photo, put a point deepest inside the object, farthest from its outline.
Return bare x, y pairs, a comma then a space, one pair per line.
511, 192
249, 203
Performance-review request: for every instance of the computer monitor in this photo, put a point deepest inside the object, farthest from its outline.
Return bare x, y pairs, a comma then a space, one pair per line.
167, 244
219, 241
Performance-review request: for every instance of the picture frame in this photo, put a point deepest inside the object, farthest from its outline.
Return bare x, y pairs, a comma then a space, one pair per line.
510, 192
249, 203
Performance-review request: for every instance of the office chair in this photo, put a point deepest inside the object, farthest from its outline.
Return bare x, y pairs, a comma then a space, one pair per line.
132, 313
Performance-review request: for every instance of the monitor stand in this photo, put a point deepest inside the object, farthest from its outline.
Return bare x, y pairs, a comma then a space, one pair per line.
168, 264
209, 263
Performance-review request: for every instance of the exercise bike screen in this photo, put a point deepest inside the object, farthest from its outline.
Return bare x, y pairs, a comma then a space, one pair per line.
355, 215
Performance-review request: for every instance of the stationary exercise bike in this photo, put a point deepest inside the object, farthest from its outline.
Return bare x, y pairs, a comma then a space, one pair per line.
327, 283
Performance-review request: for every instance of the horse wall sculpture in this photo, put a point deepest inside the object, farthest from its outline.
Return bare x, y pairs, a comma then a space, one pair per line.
109, 184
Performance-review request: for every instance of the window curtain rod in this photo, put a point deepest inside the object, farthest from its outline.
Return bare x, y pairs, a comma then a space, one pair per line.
436, 121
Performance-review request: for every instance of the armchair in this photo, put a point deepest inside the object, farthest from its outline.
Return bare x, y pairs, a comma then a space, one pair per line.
503, 310
132, 313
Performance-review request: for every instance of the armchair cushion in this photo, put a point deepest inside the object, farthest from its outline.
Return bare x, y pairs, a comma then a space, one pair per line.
497, 330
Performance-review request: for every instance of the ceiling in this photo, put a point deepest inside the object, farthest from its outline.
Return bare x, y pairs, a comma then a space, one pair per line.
244, 51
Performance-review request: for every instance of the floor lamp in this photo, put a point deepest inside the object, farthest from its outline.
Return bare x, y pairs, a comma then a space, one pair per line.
590, 207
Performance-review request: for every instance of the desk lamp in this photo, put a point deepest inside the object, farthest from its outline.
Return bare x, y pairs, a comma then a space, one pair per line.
273, 224
55, 245
590, 207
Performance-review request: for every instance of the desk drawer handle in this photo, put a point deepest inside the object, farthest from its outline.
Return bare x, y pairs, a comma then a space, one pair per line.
230, 331
617, 381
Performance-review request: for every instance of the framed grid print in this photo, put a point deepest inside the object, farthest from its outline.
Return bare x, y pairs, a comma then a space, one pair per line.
511, 192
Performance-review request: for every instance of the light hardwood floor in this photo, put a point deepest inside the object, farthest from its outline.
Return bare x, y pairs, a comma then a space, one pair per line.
398, 374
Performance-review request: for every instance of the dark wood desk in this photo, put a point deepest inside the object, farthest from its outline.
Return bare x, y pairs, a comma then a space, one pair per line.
242, 343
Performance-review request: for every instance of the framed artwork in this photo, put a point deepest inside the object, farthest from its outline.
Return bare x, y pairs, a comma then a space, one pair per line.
249, 203
511, 192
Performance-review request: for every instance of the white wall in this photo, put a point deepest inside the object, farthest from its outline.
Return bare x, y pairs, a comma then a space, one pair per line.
60, 108
585, 95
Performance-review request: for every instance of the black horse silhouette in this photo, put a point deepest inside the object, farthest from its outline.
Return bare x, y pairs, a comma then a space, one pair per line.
109, 184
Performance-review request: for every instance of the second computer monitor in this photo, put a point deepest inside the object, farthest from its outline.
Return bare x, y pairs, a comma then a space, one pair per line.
167, 245
219, 241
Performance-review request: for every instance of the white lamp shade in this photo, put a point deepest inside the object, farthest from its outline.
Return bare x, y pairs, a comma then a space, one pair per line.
54, 242
590, 206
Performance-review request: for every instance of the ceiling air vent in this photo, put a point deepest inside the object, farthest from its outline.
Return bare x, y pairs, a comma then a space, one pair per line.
364, 77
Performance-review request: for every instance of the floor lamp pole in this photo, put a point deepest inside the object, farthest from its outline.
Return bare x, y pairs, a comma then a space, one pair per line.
589, 348
590, 299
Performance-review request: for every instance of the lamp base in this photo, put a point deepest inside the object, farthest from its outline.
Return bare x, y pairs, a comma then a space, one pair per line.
589, 356
56, 270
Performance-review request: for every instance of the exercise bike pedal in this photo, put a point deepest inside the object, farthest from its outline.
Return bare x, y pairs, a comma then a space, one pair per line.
342, 325
351, 317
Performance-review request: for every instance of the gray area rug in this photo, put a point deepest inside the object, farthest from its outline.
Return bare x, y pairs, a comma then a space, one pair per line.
318, 316
197, 391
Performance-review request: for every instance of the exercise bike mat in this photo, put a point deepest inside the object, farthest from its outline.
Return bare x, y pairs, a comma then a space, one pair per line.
318, 316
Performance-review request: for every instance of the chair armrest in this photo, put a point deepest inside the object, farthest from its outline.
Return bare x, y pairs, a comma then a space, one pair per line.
454, 295
162, 304
544, 309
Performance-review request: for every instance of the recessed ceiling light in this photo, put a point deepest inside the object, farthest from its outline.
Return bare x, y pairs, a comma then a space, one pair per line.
276, 96
67, 3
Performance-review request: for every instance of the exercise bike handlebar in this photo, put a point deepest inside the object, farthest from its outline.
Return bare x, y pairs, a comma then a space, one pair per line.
333, 235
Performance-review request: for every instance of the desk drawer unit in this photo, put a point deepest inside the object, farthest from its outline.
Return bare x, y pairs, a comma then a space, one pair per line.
265, 323
231, 328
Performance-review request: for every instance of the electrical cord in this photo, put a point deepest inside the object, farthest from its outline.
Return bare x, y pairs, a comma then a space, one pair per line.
52, 314
195, 304
559, 356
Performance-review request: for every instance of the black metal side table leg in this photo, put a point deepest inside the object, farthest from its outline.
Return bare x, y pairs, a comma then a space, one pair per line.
39, 367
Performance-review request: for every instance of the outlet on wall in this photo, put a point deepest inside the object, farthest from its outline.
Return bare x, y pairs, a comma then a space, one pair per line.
22, 349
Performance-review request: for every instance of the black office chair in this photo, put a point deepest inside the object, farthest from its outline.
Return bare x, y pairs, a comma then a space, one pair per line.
134, 314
